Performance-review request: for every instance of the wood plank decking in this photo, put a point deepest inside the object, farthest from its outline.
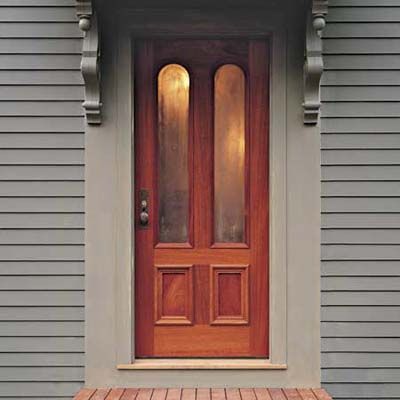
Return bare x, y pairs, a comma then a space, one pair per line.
202, 394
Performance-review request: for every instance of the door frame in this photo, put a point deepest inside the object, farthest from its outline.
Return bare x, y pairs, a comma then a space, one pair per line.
294, 205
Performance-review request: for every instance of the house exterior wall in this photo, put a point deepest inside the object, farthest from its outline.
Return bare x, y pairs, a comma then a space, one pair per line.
41, 201
360, 200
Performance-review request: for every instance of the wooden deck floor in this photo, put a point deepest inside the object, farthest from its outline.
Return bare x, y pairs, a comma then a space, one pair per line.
202, 394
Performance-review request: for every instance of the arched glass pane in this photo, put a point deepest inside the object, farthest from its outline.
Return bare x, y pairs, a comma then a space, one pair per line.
229, 154
173, 133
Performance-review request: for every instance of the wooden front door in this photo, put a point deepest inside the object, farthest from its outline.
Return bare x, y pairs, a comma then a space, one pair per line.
201, 179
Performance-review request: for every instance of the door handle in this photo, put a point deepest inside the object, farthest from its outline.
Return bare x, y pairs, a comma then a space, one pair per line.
144, 217
144, 213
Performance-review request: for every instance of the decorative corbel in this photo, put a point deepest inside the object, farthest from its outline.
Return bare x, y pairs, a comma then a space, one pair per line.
313, 65
90, 60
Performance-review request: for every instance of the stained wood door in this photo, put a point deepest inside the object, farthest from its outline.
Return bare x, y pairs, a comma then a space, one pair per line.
201, 200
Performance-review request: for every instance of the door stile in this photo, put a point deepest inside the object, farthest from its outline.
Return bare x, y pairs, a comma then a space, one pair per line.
259, 188
145, 179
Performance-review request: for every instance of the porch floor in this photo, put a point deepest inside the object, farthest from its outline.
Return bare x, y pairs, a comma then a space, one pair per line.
202, 394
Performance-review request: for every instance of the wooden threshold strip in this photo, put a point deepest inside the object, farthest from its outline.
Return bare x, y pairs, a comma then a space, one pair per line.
194, 364
202, 394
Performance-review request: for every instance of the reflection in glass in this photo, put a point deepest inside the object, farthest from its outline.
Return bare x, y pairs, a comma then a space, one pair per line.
229, 155
173, 132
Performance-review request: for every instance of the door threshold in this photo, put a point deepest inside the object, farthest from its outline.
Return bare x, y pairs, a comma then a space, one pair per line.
197, 363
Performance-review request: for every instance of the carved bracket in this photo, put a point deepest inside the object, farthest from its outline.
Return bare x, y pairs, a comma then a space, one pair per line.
313, 65
90, 60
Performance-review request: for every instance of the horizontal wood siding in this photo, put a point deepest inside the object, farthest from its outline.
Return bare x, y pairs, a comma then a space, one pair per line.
361, 200
41, 201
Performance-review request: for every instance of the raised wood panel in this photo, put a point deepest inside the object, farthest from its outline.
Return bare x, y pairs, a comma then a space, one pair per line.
173, 295
229, 294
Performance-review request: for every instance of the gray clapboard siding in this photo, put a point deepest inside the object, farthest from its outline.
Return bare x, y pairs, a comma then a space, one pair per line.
345, 3
41, 124
359, 141
41, 189
360, 46
35, 30
41, 360
362, 313
359, 78
360, 345
362, 30
360, 268
41, 221
48, 374
38, 328
354, 236
360, 252
28, 3
365, 329
360, 93
41, 78
364, 14
367, 375
360, 188
41, 344
41, 93
42, 204
360, 109
374, 391
360, 125
41, 201
360, 158
361, 204
48, 140
41, 313
37, 14
39, 389
41, 173
41, 298
41, 252
41, 46
41, 236
352, 298
358, 360
359, 173
41, 61
40, 109
40, 282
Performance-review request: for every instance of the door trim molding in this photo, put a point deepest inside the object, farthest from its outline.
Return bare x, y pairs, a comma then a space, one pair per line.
170, 363
294, 229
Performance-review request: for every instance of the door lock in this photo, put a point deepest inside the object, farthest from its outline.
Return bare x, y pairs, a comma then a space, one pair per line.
144, 208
